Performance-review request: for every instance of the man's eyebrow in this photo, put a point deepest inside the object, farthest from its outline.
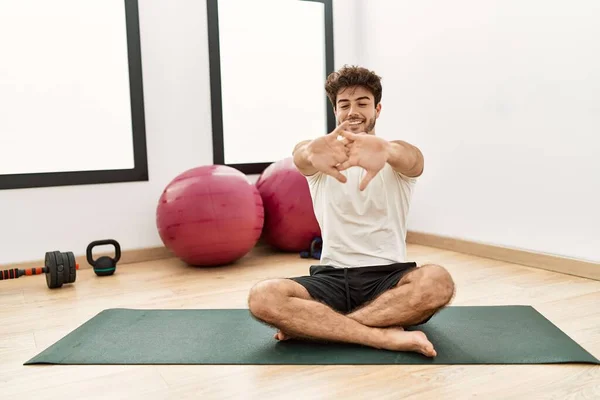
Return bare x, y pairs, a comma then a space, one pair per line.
360, 98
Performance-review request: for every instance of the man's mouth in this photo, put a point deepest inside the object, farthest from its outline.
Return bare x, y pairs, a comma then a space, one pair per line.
355, 122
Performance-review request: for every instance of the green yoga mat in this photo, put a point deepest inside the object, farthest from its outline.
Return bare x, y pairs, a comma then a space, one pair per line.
461, 335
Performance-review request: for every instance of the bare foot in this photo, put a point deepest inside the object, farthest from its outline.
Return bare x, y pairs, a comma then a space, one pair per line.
400, 340
282, 336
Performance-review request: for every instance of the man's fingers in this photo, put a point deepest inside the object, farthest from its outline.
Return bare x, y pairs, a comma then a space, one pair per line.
343, 140
347, 150
366, 179
344, 166
337, 175
339, 128
348, 135
340, 156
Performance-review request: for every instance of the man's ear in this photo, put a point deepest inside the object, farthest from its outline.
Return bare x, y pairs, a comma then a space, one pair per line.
378, 109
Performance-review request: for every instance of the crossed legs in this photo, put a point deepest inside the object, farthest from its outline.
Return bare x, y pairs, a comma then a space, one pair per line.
418, 295
288, 306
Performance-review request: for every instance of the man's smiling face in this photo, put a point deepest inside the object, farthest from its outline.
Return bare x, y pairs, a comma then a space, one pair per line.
357, 105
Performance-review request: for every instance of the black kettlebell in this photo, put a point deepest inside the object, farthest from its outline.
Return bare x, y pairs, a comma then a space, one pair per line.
315, 249
105, 265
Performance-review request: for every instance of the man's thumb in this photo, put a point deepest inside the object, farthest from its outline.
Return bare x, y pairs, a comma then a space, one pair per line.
366, 179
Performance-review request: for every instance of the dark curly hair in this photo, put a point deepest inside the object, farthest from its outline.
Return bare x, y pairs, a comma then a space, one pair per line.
349, 76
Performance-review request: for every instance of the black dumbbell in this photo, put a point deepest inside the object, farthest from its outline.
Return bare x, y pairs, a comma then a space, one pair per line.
60, 268
104, 265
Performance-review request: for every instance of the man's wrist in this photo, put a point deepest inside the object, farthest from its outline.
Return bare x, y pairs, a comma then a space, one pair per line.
301, 157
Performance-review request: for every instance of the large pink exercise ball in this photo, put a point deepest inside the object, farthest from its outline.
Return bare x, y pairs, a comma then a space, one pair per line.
210, 215
290, 222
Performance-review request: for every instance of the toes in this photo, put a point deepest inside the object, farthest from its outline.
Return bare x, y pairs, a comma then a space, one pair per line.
431, 351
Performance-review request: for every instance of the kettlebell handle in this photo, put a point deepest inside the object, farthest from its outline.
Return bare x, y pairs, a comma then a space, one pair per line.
315, 249
99, 243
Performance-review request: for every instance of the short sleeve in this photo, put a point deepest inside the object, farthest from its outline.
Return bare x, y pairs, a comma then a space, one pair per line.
314, 180
408, 179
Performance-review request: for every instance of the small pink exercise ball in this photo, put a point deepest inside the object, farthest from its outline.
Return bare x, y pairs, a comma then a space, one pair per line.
290, 223
210, 215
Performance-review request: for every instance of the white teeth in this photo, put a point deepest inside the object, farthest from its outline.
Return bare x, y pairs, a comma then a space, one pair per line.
355, 122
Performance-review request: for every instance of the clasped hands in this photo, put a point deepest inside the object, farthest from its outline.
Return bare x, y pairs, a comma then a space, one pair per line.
342, 149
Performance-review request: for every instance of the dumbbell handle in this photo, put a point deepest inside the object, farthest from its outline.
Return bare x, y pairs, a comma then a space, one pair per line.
16, 273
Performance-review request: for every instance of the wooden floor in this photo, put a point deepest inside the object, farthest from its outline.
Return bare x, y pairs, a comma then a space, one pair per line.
32, 317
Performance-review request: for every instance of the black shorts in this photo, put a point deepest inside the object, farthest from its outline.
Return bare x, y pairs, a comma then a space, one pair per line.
345, 289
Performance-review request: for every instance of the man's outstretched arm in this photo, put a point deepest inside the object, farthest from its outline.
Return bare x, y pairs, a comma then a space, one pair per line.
405, 158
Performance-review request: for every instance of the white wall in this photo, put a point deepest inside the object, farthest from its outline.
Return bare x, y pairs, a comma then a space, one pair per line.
503, 97
178, 123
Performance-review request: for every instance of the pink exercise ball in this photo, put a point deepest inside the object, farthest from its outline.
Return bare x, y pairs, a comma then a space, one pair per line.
210, 215
290, 222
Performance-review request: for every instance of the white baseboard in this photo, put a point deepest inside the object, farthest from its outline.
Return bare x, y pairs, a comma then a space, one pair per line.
548, 262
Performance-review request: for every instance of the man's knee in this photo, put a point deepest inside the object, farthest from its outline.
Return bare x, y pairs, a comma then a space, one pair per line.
433, 287
266, 298
262, 298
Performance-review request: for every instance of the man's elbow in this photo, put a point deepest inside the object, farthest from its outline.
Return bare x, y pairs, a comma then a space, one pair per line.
419, 164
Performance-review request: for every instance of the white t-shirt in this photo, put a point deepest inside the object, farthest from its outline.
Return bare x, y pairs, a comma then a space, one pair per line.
362, 228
